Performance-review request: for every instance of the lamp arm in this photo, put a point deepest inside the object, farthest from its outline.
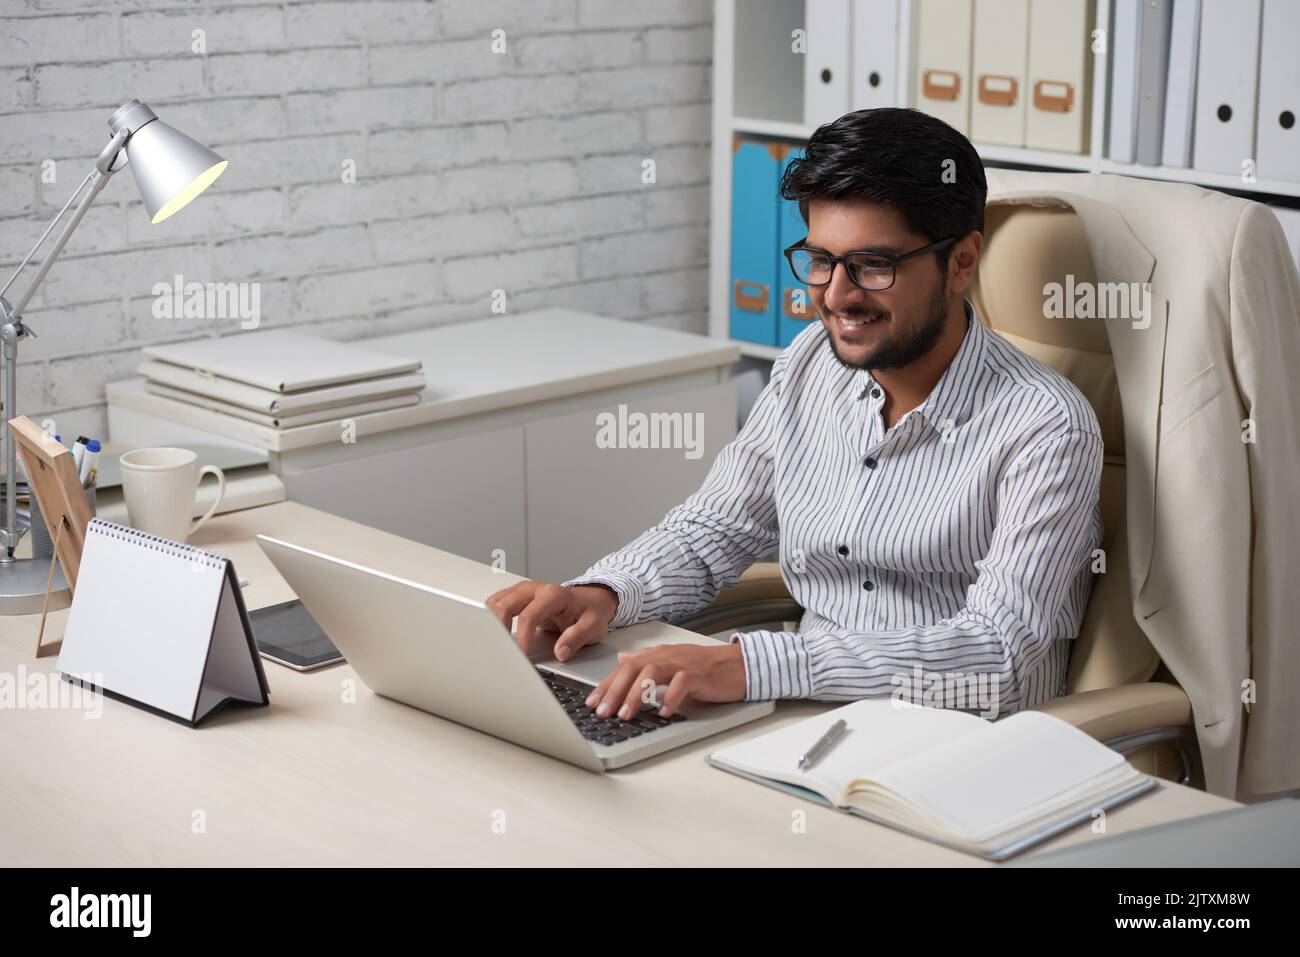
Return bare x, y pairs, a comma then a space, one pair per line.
109, 161
48, 229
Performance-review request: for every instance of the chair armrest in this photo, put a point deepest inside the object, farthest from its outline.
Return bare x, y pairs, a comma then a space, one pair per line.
1108, 714
759, 597
760, 580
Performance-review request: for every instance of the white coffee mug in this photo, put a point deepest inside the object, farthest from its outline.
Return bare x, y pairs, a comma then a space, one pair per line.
160, 486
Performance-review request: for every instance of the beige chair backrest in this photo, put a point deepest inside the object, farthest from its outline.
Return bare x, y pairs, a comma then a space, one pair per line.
1025, 248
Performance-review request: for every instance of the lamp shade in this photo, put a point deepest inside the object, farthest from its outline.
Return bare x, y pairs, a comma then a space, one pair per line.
170, 169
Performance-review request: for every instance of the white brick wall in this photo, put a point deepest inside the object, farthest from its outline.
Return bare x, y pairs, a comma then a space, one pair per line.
474, 171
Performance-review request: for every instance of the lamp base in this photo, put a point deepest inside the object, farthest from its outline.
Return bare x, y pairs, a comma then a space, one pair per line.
22, 587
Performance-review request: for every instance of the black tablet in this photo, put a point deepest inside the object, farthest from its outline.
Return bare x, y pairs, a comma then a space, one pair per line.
288, 635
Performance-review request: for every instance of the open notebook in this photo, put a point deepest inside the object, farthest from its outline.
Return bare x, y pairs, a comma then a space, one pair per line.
987, 788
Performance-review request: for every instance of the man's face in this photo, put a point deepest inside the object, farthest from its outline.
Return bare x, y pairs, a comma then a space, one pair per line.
904, 321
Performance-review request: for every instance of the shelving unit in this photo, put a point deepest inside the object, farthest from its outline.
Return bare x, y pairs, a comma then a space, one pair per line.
758, 91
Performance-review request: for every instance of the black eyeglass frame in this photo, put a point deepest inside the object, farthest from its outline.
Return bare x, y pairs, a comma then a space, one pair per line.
893, 260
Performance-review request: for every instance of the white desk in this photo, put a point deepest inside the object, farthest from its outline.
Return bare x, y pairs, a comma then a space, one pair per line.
499, 460
314, 780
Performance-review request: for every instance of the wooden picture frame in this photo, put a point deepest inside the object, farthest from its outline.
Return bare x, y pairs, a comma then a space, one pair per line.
52, 478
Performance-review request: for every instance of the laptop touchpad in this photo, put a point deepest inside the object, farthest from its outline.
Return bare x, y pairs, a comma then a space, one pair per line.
590, 664
593, 662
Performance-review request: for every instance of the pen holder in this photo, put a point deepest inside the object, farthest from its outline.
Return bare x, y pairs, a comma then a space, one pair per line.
42, 543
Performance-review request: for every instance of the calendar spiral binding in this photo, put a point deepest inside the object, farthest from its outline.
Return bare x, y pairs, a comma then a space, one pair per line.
167, 546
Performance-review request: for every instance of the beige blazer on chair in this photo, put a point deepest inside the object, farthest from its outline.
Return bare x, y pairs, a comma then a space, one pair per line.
1211, 398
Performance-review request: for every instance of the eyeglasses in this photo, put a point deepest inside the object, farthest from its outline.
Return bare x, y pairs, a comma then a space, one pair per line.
873, 271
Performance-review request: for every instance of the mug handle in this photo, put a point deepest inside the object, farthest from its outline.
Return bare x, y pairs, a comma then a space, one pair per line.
221, 492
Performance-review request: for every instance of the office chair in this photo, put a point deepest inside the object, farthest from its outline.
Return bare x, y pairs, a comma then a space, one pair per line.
1117, 689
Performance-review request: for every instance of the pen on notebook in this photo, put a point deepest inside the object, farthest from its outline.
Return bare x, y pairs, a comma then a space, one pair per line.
823, 744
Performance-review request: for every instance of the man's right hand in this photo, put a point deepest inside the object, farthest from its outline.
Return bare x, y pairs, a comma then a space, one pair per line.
581, 615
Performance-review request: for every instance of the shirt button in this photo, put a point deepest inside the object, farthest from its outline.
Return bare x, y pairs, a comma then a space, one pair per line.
868, 584
869, 462
844, 549
875, 393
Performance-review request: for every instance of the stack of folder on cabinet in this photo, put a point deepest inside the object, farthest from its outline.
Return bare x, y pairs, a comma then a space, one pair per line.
281, 379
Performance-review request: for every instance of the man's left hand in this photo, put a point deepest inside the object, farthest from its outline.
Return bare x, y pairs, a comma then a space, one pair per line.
705, 672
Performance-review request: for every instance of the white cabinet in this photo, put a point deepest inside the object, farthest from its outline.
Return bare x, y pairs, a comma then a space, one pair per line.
500, 462
586, 499
463, 495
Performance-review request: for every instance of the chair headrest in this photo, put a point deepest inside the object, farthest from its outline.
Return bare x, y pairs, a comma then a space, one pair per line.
1027, 247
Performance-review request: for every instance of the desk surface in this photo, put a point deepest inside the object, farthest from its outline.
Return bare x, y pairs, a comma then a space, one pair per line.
314, 779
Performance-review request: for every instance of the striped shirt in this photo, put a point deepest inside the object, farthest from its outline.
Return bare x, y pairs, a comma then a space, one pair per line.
959, 541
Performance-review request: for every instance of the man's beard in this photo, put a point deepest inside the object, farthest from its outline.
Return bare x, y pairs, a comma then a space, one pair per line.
900, 350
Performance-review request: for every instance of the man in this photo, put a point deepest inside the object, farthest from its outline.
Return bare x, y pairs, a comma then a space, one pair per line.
933, 492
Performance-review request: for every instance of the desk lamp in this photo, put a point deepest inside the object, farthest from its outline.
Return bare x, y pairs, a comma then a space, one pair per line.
170, 170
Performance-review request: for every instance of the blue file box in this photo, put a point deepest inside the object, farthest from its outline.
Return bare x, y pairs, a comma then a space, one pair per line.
755, 170
794, 306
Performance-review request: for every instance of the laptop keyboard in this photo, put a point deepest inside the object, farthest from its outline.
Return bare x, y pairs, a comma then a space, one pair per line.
572, 695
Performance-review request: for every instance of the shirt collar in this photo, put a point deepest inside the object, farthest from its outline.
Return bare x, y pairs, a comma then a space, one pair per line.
956, 386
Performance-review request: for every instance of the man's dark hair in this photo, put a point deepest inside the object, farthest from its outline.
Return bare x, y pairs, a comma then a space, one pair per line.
900, 159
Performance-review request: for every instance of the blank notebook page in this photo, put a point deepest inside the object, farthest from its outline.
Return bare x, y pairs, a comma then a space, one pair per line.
880, 732
1023, 760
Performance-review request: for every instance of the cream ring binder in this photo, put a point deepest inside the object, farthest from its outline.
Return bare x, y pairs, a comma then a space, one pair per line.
941, 84
998, 90
160, 624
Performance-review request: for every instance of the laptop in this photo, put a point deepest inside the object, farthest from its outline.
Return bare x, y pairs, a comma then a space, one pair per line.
450, 656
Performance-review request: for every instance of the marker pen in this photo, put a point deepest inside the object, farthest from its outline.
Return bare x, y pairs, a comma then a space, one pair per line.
89, 460
78, 450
